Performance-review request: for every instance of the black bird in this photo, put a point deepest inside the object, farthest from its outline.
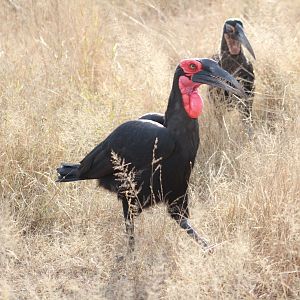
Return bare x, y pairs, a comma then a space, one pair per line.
160, 157
232, 59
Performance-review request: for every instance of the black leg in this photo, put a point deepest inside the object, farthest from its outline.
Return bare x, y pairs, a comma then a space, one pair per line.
179, 212
129, 223
184, 224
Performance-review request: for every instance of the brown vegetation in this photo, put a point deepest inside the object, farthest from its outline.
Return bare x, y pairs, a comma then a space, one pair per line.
70, 72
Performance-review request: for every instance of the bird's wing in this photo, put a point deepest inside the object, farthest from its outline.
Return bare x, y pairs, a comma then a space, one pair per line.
138, 142
156, 117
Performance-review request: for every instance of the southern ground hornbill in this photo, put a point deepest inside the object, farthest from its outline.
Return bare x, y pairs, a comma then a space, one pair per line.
160, 157
232, 59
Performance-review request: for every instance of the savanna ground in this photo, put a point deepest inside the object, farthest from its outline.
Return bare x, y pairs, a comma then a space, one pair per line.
70, 72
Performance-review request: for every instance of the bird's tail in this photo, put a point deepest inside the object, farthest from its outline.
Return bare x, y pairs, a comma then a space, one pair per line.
68, 172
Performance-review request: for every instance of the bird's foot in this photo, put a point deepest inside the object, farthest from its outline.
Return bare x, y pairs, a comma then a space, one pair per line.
209, 249
206, 247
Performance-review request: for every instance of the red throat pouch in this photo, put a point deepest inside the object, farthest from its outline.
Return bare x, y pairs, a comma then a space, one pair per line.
192, 101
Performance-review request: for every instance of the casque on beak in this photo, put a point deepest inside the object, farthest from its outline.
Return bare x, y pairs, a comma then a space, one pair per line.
242, 38
213, 75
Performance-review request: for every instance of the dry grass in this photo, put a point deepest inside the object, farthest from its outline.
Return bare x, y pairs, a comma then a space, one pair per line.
70, 72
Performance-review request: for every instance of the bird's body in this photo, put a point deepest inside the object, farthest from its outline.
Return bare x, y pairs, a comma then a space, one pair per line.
161, 157
141, 143
242, 70
232, 59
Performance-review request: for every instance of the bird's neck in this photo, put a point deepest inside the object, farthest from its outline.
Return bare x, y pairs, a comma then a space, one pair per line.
184, 128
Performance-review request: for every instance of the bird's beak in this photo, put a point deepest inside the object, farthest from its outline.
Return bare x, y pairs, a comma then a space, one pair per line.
242, 38
212, 74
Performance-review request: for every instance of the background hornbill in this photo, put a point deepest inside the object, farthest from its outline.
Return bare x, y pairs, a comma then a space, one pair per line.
232, 59
161, 157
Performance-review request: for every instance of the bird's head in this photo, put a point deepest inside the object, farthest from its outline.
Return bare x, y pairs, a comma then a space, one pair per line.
234, 35
194, 72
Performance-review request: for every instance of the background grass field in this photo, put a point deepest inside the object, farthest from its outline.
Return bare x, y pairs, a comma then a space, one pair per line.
70, 72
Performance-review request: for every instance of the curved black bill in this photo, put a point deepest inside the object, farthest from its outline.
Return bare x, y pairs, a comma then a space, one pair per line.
212, 74
240, 36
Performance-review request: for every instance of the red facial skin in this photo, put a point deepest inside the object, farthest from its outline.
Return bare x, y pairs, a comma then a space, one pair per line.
234, 46
192, 101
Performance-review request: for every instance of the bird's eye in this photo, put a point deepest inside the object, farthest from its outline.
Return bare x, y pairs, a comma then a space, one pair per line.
193, 66
229, 28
